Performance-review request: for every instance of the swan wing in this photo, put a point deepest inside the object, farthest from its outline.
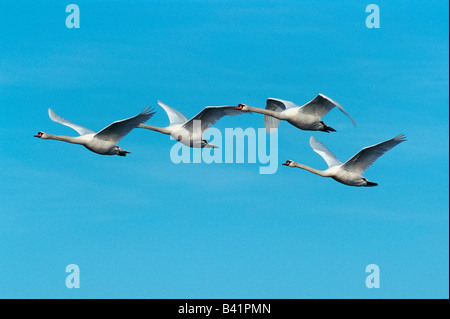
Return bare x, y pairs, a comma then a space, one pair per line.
368, 155
210, 115
117, 130
321, 105
175, 116
59, 119
276, 105
323, 151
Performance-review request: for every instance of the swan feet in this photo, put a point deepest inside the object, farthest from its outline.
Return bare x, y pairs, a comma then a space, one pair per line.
329, 129
123, 153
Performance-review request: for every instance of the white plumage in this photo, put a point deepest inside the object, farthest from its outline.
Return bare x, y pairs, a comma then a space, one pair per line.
105, 141
190, 132
307, 117
350, 172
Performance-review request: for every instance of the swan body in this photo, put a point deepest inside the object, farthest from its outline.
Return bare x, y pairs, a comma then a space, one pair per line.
307, 117
105, 141
190, 132
350, 172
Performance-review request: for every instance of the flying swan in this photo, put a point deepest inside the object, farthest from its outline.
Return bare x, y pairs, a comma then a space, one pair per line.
103, 142
190, 132
350, 172
306, 117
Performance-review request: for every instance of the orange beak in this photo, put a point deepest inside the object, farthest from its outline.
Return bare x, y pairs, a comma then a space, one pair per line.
238, 107
38, 135
286, 164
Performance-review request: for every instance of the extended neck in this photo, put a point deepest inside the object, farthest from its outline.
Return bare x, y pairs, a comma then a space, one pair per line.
266, 112
163, 130
310, 169
68, 139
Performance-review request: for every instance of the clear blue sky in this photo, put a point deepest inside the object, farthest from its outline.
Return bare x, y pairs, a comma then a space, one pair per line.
142, 226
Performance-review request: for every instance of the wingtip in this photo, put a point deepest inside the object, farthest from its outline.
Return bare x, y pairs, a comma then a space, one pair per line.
51, 114
339, 105
401, 137
313, 140
271, 130
149, 110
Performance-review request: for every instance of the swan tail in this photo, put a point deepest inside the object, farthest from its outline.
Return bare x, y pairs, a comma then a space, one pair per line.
123, 153
371, 184
329, 129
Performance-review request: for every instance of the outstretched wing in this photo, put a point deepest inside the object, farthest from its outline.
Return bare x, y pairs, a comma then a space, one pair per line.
275, 105
117, 130
323, 151
321, 105
59, 119
210, 115
175, 117
368, 155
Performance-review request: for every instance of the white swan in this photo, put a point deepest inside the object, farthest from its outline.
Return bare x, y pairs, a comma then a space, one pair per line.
103, 142
306, 117
190, 132
350, 172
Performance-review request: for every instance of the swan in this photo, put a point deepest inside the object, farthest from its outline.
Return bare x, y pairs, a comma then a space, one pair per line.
186, 131
306, 117
350, 172
103, 142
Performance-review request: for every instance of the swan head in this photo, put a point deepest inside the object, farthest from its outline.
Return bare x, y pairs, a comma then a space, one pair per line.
289, 163
243, 107
41, 135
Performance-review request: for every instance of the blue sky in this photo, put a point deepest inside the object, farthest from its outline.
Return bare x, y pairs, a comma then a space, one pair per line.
143, 227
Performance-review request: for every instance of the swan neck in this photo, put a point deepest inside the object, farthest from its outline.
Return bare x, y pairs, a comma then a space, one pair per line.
310, 169
68, 139
163, 130
265, 112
